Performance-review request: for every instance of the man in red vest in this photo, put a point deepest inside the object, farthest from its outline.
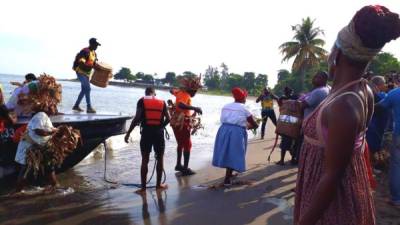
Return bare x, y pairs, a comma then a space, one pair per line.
153, 116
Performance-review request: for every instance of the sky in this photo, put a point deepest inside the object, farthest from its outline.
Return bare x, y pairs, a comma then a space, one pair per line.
158, 36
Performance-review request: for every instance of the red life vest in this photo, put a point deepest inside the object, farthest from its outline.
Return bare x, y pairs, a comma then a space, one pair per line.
153, 109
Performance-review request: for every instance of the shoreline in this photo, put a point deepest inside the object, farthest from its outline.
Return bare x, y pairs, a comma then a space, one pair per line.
269, 199
165, 88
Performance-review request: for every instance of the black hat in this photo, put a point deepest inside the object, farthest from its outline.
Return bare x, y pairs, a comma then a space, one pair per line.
93, 41
30, 77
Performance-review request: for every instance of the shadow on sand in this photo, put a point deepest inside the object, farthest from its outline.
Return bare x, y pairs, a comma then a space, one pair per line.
268, 200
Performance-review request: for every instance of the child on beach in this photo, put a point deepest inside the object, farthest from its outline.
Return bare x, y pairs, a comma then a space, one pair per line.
231, 141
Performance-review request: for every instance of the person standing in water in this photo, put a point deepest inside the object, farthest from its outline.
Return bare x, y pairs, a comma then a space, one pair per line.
181, 121
153, 117
267, 108
332, 183
84, 63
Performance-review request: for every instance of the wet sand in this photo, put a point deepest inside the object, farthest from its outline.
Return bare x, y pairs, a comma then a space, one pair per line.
268, 200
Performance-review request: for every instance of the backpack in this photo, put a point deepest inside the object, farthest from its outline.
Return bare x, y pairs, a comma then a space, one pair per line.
83, 53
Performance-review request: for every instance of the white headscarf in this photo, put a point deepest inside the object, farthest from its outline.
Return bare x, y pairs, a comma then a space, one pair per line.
351, 45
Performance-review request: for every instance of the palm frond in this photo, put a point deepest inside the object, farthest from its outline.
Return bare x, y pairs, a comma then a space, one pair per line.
305, 47
317, 42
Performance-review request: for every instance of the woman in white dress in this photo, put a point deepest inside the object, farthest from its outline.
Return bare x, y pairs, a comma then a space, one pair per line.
231, 141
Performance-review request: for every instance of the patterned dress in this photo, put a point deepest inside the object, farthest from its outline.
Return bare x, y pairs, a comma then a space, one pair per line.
353, 203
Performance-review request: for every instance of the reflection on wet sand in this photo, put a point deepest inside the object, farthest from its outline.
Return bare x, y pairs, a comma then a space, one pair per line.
78, 208
159, 204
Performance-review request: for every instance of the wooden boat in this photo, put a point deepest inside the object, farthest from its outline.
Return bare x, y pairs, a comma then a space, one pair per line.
94, 128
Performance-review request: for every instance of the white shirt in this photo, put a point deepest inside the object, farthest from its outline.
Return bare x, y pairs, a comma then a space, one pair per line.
12, 103
39, 121
235, 113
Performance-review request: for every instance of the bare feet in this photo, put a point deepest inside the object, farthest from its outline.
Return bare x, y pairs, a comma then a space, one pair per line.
162, 187
50, 189
141, 191
227, 184
15, 194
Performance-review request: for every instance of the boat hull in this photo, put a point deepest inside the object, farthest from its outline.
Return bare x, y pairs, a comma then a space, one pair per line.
95, 129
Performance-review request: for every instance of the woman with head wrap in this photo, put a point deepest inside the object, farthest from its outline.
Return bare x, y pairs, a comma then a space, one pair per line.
231, 141
332, 184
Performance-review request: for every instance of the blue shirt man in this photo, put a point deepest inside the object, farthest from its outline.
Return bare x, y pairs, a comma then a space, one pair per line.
392, 102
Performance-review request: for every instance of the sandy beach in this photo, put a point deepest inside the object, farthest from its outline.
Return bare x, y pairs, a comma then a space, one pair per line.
268, 199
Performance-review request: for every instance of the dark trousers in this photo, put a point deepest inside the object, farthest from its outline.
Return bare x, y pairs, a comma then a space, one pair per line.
267, 113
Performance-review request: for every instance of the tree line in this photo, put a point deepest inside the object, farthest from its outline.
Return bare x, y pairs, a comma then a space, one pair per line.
306, 49
215, 79
308, 55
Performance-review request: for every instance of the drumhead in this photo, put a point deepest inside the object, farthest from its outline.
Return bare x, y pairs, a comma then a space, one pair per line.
104, 66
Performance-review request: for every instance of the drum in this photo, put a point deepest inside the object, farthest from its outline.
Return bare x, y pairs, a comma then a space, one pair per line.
102, 74
290, 119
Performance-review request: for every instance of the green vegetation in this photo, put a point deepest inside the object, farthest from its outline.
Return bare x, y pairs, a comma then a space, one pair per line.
310, 57
305, 47
219, 82
384, 63
306, 50
125, 74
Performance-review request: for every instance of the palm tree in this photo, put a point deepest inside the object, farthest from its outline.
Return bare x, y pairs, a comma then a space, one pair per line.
305, 47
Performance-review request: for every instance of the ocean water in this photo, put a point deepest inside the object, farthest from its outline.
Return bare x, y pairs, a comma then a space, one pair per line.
124, 159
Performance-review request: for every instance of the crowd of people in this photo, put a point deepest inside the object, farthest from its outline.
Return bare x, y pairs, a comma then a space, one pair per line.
343, 125
342, 128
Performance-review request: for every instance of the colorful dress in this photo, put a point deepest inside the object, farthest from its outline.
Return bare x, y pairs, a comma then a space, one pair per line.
181, 127
353, 203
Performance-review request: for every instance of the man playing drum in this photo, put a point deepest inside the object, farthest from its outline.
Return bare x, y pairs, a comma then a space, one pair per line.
84, 63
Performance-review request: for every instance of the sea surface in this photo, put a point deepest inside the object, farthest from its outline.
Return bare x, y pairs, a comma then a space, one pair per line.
123, 161
86, 197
